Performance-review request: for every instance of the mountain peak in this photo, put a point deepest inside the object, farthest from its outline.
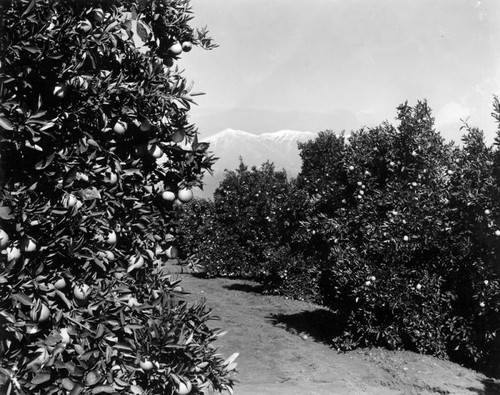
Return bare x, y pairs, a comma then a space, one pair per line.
289, 135
280, 135
229, 133
229, 145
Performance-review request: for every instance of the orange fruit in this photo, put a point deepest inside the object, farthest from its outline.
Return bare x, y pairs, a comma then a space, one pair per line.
175, 49
146, 365
120, 127
40, 314
185, 195
172, 252
169, 196
81, 292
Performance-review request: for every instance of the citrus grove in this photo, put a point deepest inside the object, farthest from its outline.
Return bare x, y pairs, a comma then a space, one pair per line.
392, 228
95, 151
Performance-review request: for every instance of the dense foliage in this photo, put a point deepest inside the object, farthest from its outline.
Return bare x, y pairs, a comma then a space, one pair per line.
236, 233
411, 229
95, 146
392, 228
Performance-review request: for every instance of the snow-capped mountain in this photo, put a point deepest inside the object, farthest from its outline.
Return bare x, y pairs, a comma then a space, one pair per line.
278, 147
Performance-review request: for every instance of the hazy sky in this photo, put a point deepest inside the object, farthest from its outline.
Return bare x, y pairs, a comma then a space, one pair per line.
317, 64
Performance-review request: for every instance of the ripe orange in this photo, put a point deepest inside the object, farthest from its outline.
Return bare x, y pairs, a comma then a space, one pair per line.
40, 313
135, 262
172, 252
185, 195
155, 150
169, 196
184, 387
177, 136
60, 283
187, 46
175, 49
81, 292
120, 127
110, 238
146, 365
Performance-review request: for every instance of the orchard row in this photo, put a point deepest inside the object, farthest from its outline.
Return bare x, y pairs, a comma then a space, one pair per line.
394, 229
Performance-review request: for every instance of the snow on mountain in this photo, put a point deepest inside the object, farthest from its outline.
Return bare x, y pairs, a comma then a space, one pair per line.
278, 147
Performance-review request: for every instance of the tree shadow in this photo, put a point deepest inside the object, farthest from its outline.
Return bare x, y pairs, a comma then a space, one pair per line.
491, 387
245, 287
320, 324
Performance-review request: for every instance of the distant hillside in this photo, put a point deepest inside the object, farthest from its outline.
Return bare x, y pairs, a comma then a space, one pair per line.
268, 121
278, 147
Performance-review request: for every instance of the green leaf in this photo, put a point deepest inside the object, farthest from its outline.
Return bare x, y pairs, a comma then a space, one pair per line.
103, 389
6, 317
79, 349
44, 162
69, 177
5, 213
64, 299
38, 114
100, 331
32, 49
41, 378
23, 299
77, 389
136, 389
29, 8
6, 124
67, 384
90, 193
123, 347
92, 378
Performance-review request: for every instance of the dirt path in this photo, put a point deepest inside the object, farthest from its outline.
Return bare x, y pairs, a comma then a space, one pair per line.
282, 353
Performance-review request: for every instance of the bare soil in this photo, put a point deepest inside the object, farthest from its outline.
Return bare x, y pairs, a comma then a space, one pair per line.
283, 349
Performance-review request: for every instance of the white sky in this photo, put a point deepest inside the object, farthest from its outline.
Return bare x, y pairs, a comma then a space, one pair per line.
359, 58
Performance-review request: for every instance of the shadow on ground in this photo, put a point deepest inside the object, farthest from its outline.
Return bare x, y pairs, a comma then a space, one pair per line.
320, 324
244, 287
491, 387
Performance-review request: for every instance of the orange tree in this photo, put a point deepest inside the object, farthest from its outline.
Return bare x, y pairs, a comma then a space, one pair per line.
95, 146
407, 230
250, 230
237, 232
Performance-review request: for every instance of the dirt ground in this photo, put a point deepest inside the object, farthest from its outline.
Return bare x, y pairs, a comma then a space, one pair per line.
282, 350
